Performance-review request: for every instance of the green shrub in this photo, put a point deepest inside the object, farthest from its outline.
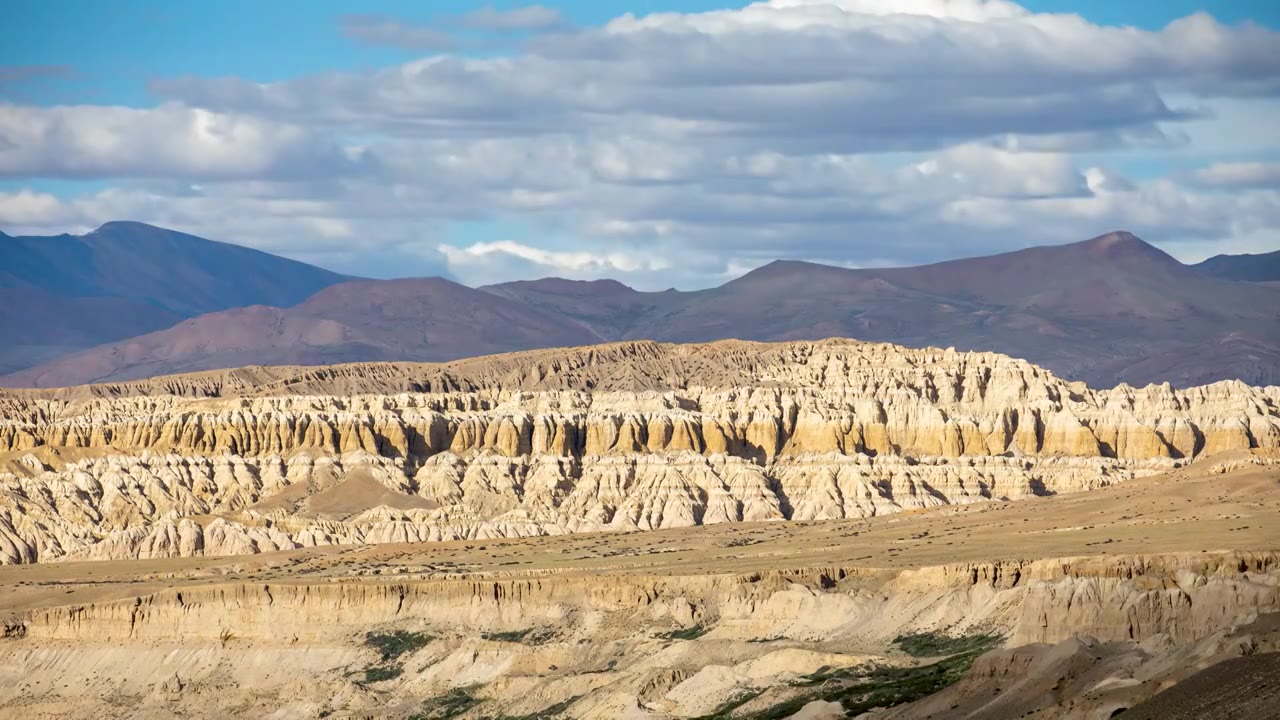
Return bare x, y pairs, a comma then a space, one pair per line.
689, 633
929, 644
393, 645
859, 689
450, 705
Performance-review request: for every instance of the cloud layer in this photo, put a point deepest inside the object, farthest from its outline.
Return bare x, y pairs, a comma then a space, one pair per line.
674, 149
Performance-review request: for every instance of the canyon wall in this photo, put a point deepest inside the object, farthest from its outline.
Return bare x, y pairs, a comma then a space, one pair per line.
603, 645
632, 436
1118, 598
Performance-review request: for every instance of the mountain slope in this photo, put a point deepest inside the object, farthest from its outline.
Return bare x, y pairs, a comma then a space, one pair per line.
422, 319
38, 326
607, 307
1264, 267
67, 293
1107, 310
175, 271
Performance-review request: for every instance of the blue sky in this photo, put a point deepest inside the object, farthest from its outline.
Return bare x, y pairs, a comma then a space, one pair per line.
312, 129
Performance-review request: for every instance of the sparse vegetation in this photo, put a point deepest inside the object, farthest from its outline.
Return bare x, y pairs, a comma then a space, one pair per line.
512, 636
552, 712
390, 647
450, 705
529, 636
936, 645
379, 673
393, 645
859, 689
690, 633
725, 712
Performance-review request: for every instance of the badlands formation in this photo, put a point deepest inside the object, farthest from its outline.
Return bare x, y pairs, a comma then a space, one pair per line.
831, 529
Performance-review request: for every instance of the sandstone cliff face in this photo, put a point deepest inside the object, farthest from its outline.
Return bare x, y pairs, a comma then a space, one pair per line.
1120, 598
626, 437
602, 649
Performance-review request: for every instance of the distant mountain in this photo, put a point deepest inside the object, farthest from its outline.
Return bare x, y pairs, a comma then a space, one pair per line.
421, 319
67, 292
1264, 267
37, 325
1106, 310
607, 308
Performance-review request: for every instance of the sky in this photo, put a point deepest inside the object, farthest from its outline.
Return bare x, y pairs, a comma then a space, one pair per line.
662, 143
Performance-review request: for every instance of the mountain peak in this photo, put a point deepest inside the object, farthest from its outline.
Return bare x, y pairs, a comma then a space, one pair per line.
126, 226
1123, 245
1116, 238
783, 268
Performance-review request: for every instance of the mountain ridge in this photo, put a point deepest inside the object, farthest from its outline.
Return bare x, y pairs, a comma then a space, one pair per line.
366, 319
1257, 267
1109, 309
125, 279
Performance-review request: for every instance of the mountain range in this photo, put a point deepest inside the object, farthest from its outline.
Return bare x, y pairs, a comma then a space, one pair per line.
129, 301
67, 293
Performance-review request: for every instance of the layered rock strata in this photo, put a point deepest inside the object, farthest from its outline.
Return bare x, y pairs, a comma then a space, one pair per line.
294, 648
633, 436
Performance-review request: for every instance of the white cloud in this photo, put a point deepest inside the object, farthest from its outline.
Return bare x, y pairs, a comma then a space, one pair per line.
481, 262
990, 171
853, 76
26, 209
166, 141
1240, 175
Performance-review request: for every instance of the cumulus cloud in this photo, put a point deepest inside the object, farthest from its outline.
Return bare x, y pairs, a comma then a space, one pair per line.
27, 209
513, 260
166, 141
989, 171
853, 76
1240, 175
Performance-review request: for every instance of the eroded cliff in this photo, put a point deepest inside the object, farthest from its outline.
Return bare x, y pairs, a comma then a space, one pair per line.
633, 436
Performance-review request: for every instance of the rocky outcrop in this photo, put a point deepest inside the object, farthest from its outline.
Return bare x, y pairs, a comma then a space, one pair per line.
634, 436
1183, 597
668, 646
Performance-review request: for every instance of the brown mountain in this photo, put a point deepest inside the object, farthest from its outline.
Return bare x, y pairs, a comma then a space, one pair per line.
1262, 267
607, 308
1106, 310
37, 325
420, 319
65, 293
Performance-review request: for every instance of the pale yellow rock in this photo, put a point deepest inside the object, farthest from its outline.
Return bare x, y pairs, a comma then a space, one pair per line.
512, 447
